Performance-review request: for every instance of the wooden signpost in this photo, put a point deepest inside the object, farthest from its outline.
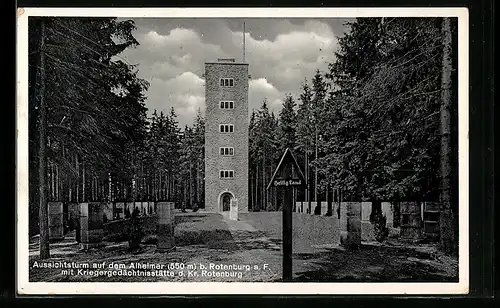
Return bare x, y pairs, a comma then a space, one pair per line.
285, 178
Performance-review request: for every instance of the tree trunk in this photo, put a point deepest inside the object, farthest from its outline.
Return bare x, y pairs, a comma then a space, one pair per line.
198, 182
308, 191
264, 190
275, 197
329, 200
185, 197
257, 188
110, 188
250, 188
316, 167
153, 186
190, 185
306, 194
446, 224
84, 184
42, 155
77, 184
167, 187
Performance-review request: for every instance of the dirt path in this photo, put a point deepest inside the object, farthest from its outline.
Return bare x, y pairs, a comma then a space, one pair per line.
255, 245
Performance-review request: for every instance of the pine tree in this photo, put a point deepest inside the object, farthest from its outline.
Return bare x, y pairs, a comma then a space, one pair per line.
87, 131
318, 108
199, 158
253, 161
305, 135
287, 125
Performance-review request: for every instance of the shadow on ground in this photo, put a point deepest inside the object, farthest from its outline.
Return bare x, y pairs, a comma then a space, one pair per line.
250, 240
377, 264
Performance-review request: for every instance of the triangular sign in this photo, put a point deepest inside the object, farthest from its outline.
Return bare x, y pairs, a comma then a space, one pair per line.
287, 159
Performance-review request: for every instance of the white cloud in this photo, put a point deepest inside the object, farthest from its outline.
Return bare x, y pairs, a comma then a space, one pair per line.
185, 92
281, 55
175, 36
290, 57
260, 89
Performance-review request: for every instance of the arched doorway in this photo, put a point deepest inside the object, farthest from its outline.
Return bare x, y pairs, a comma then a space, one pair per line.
225, 201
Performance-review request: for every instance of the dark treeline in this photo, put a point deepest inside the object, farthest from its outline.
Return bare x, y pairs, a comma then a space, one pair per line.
86, 112
378, 125
90, 138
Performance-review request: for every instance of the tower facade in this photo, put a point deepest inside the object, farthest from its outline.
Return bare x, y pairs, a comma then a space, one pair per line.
226, 135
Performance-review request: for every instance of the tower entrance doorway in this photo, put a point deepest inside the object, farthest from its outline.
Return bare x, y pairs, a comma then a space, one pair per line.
225, 201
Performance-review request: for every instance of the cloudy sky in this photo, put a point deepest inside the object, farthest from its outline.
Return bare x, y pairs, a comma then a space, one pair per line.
281, 53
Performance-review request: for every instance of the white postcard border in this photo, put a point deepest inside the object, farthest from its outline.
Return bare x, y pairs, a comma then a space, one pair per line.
24, 287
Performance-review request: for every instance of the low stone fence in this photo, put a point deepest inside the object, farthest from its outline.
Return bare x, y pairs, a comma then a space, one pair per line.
367, 228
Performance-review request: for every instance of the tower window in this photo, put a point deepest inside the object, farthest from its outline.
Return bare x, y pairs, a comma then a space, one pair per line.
227, 151
226, 174
227, 82
226, 128
226, 104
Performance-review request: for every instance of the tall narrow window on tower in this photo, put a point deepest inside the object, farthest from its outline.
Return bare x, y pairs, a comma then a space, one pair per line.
226, 174
226, 128
227, 151
226, 104
227, 82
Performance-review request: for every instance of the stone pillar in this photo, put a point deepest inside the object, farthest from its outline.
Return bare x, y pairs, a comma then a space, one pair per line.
166, 226
411, 221
313, 207
387, 211
91, 224
56, 220
138, 206
233, 209
128, 208
151, 208
350, 224
108, 211
297, 206
366, 210
73, 215
141, 208
119, 210
430, 222
324, 208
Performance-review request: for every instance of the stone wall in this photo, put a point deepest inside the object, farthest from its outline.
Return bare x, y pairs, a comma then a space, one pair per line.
166, 226
91, 223
56, 220
350, 223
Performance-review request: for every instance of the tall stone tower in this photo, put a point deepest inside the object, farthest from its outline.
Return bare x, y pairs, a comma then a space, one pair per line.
226, 135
